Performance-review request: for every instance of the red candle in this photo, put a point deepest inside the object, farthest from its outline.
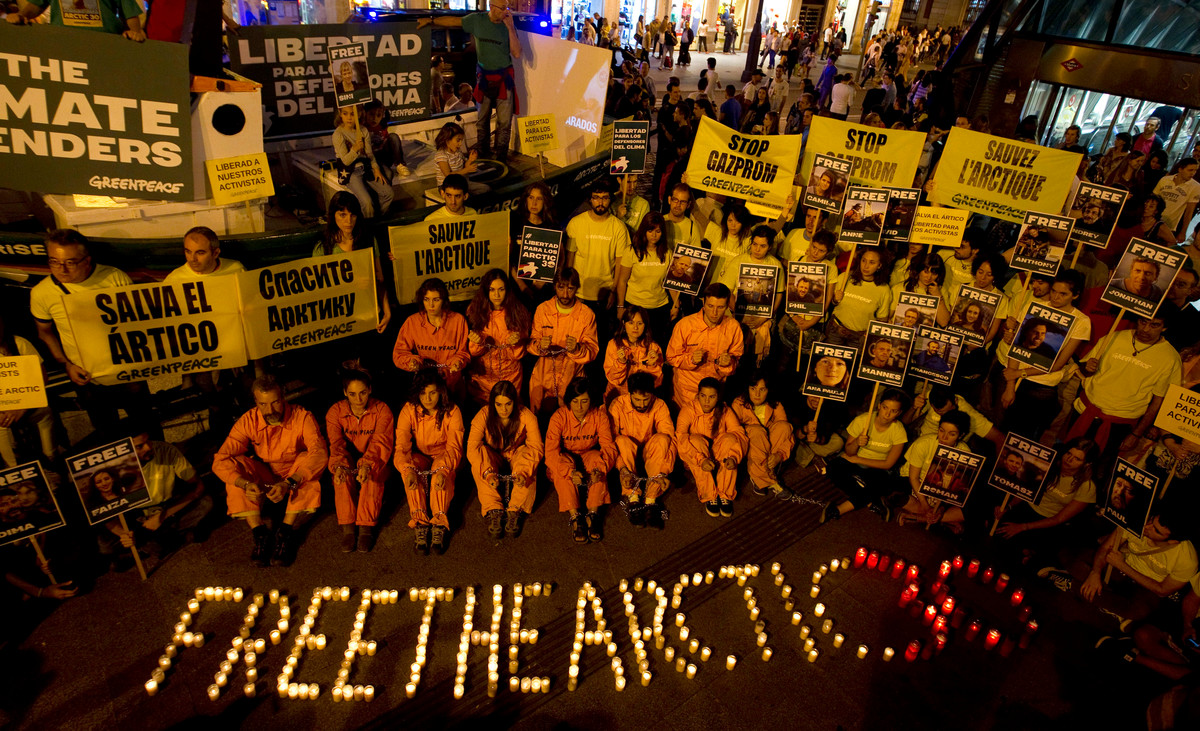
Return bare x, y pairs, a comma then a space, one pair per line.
936, 586
859, 556
897, 568
988, 573
1001, 583
939, 624
973, 568
992, 639
913, 571
873, 559
906, 596
1007, 646
948, 606
1017, 597
940, 595
913, 650
927, 652
884, 561
972, 630
914, 608
930, 613
944, 569
1025, 613
939, 641
957, 563
957, 618
1030, 630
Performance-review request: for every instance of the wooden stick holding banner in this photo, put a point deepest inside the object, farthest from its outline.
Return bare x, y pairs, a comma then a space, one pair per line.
37, 548
874, 398
137, 558
1003, 507
1166, 484
1078, 251
849, 266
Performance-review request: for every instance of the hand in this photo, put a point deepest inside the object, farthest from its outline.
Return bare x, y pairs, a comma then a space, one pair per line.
724, 360
513, 339
438, 482
708, 465
494, 480
862, 440
473, 155
507, 18
126, 537
577, 477
154, 522
277, 492
919, 402
1091, 366
653, 357
253, 492
454, 368
1009, 395
377, 171
1011, 530
622, 211
59, 591
730, 463
135, 35
544, 343
357, 147
78, 375
622, 355
414, 363
8, 418
474, 337
572, 344
697, 357
1114, 558
597, 476
1091, 587
364, 473
1129, 442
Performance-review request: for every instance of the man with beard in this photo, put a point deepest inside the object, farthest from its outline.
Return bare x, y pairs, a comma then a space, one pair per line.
642, 428
596, 241
1092, 218
1034, 338
705, 344
931, 359
563, 339
274, 450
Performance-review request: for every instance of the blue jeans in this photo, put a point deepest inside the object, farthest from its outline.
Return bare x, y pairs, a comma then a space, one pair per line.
483, 127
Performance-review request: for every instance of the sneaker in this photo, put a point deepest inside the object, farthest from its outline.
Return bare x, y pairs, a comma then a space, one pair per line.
494, 520
760, 491
595, 527
819, 465
261, 555
713, 508
656, 516
579, 527
285, 546
438, 540
1061, 579
1117, 649
348, 539
726, 507
513, 523
422, 539
831, 512
1122, 622
881, 509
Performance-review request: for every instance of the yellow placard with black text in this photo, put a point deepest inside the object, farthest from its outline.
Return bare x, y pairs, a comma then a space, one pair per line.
538, 134
240, 178
880, 158
938, 226
459, 250
1180, 413
21, 383
756, 168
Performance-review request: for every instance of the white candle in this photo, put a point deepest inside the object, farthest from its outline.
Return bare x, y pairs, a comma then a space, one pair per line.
809, 644
410, 689
730, 662
680, 664
213, 692
220, 679
826, 626
835, 564
754, 612
804, 631
293, 690
313, 691
684, 632
198, 639
766, 654
164, 662
708, 577
170, 650
251, 675
812, 655
779, 579
862, 651
151, 687
669, 654
796, 617
888, 653
761, 639
337, 693
680, 618
776, 568
705, 653
815, 591
838, 639
249, 690
157, 675
819, 610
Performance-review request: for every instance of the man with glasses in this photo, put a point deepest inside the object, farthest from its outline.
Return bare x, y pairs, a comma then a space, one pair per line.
596, 241
683, 228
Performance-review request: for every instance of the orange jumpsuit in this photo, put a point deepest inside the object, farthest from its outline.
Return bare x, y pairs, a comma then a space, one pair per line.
769, 435
293, 448
422, 445
584, 446
492, 361
555, 369
523, 457
693, 333
355, 441
651, 433
618, 373
699, 440
445, 345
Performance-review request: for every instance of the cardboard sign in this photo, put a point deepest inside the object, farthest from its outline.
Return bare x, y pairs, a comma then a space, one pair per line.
351, 80
914, 309
756, 168
22, 385
827, 183
877, 157
307, 301
862, 217
1042, 243
241, 178
935, 355
756, 290
1022, 467
537, 134
541, 250
1095, 210
806, 285
27, 504
951, 475
630, 142
900, 213
829, 371
1130, 496
938, 226
973, 314
109, 480
144, 331
689, 264
1180, 413
885, 353
1143, 277
1040, 336
457, 250
1002, 178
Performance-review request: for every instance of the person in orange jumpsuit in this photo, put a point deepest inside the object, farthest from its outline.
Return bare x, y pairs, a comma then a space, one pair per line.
436, 336
499, 328
361, 432
642, 426
633, 350
711, 440
563, 339
505, 432
579, 453
429, 448
274, 450
770, 436
708, 343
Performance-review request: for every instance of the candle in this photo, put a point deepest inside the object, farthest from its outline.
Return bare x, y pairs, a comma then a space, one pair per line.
993, 637
708, 577
776, 568
1031, 628
907, 595
680, 664
680, 618
209, 593
754, 612
157, 675
944, 569
859, 557
812, 655
912, 573
170, 650
948, 606
683, 634
972, 568
164, 662
819, 609
694, 646
884, 561
872, 559
761, 639
888, 653
796, 617
815, 591
646, 676
669, 654
838, 639
151, 687
1006, 647
789, 605
827, 626
897, 568
862, 651
939, 641
939, 624
1017, 597
1001, 583
220, 679
214, 692
805, 631
705, 653
249, 690
972, 630
912, 651
198, 639
930, 613
834, 565
987, 575
957, 618
766, 654
730, 662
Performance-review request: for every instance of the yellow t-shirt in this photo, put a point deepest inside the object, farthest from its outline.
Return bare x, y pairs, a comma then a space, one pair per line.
920, 455
1126, 383
722, 251
1177, 561
166, 465
862, 303
186, 274
597, 246
644, 288
1061, 494
795, 245
46, 302
879, 444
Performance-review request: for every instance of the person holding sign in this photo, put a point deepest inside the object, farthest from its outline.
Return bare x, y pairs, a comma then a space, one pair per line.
346, 230
455, 191
712, 444
706, 344
864, 472
769, 434
932, 404
800, 331
498, 331
275, 451
953, 428
101, 16
435, 337
171, 516
1161, 561
640, 274
42, 419
536, 209
504, 432
758, 255
580, 452
355, 158
643, 432
862, 295
429, 450
202, 252
632, 351
926, 274
361, 437
563, 340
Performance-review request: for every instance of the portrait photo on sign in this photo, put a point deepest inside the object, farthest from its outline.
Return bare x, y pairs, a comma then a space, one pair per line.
27, 505
885, 353
1129, 497
1095, 210
915, 310
1143, 276
900, 212
1021, 467
827, 184
351, 75
829, 371
935, 354
806, 284
973, 314
109, 480
1041, 243
862, 214
687, 269
756, 290
1039, 338
951, 475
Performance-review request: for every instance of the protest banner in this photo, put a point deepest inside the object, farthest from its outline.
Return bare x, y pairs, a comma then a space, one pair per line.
935, 355
458, 250
689, 264
27, 504
829, 371
973, 314
1002, 178
109, 480
537, 134
1022, 467
1040, 336
756, 168
900, 212
22, 384
1143, 277
913, 309
1095, 210
143, 331
862, 217
1041, 243
541, 250
308, 301
1130, 497
885, 353
877, 157
351, 78
827, 184
1180, 413
756, 290
292, 63
938, 226
240, 178
630, 143
73, 124
951, 475
806, 287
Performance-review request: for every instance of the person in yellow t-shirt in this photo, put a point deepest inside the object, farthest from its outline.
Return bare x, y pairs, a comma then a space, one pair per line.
759, 325
862, 295
640, 274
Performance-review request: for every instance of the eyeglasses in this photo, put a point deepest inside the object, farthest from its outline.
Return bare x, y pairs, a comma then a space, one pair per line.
67, 263
680, 202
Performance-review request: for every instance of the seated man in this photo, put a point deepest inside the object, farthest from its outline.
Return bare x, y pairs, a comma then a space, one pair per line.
706, 344
642, 428
275, 449
1168, 646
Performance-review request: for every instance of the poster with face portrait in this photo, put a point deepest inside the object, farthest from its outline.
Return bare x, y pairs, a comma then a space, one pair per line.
935, 355
27, 504
1130, 496
1095, 210
951, 475
829, 371
806, 285
351, 81
1041, 336
688, 267
827, 183
1042, 243
109, 480
885, 353
900, 212
914, 309
1022, 467
1142, 277
862, 216
973, 314
756, 290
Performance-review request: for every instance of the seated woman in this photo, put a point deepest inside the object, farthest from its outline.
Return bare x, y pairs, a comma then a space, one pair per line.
758, 255
504, 432
952, 430
429, 447
632, 350
711, 440
768, 432
580, 452
817, 436
361, 433
864, 470
499, 328
435, 337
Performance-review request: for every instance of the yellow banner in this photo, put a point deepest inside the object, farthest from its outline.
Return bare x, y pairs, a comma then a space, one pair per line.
756, 168
21, 383
458, 250
938, 226
1002, 178
880, 158
144, 331
537, 134
1180, 413
308, 301
241, 178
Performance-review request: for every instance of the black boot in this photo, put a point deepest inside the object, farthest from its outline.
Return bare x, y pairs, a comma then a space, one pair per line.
261, 555
285, 546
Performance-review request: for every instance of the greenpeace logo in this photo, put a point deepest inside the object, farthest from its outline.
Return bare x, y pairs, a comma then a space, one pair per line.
582, 124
